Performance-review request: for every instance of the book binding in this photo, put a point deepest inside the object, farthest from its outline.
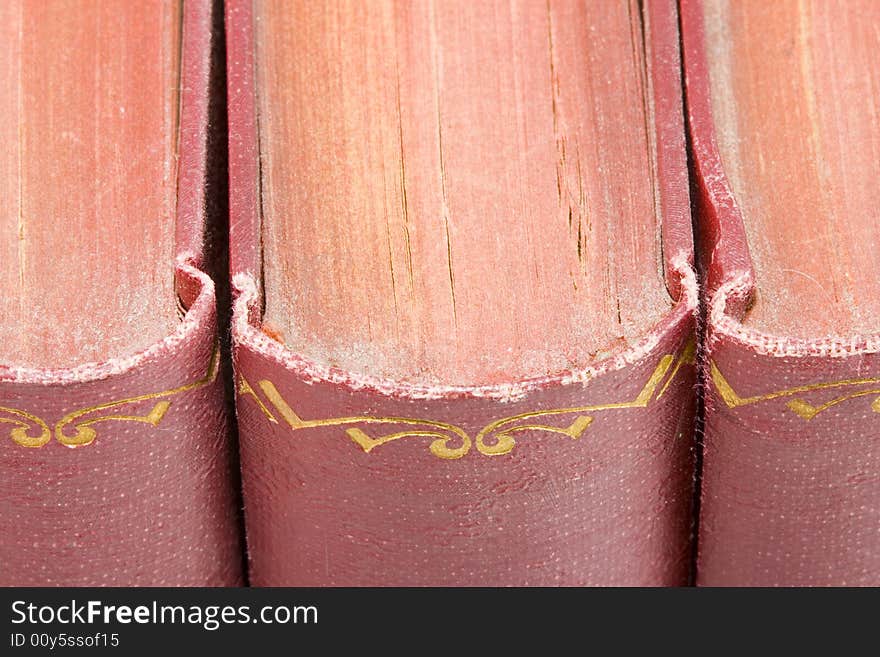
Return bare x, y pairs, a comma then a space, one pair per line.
789, 479
121, 472
578, 478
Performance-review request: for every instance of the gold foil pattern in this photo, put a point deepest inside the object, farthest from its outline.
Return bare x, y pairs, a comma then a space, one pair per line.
449, 441
77, 428
797, 404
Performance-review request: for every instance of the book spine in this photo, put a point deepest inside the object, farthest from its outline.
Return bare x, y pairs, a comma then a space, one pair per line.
581, 482
122, 473
791, 469
790, 477
575, 479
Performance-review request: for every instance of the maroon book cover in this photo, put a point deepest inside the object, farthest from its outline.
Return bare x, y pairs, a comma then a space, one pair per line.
785, 179
405, 467
117, 471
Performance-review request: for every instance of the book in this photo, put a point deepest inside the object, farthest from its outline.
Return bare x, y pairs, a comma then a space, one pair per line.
464, 300
115, 458
782, 104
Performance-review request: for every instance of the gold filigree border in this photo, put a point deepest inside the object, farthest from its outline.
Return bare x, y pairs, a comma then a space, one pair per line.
75, 429
453, 442
797, 405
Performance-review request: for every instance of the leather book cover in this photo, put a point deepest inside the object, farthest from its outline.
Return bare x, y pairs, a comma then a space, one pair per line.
355, 474
117, 471
785, 184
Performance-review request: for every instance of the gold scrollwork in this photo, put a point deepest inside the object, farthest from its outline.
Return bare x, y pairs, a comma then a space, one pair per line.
24, 424
453, 442
76, 429
802, 408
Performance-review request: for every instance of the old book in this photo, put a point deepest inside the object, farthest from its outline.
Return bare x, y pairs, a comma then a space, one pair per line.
783, 102
115, 463
461, 255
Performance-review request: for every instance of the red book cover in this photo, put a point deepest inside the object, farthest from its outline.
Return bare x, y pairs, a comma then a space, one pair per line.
785, 159
115, 461
421, 214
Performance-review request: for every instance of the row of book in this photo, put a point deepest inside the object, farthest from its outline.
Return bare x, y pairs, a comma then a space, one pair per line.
455, 293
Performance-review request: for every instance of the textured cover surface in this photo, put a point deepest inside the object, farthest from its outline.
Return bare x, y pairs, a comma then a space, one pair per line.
119, 473
580, 478
791, 471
